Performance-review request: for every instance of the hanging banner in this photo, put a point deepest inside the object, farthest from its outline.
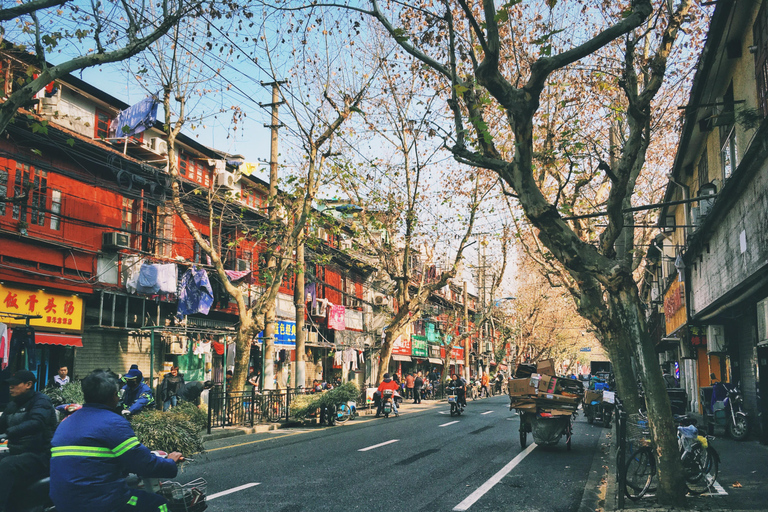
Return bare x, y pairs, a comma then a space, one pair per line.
59, 312
402, 346
419, 346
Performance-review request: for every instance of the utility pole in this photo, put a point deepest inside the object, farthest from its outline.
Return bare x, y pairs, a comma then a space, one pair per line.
300, 301
468, 339
268, 342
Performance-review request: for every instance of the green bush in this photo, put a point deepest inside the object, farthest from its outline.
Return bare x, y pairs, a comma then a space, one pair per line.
198, 416
303, 405
71, 393
178, 431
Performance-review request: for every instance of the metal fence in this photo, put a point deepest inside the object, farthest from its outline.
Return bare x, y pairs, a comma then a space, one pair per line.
249, 408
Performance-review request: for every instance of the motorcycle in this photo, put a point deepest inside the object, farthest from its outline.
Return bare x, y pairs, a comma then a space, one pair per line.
388, 396
453, 401
729, 411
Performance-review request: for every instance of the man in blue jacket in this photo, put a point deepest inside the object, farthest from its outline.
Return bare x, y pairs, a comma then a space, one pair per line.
137, 396
94, 448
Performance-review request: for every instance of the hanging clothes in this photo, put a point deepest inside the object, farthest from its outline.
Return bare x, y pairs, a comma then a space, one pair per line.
167, 277
231, 356
218, 347
236, 275
5, 346
131, 267
195, 294
336, 318
338, 358
310, 293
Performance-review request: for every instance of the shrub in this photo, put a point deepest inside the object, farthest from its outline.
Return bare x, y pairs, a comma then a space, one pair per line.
198, 416
71, 393
303, 405
170, 432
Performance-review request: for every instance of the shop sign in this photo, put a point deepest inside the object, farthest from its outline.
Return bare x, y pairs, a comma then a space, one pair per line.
285, 333
419, 346
353, 319
431, 333
457, 353
674, 307
698, 335
59, 312
434, 351
402, 346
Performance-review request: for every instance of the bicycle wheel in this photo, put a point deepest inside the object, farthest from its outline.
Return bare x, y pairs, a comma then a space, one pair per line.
640, 470
343, 413
700, 466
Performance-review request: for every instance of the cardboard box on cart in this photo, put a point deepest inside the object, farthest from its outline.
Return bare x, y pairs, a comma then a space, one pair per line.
591, 395
546, 367
521, 387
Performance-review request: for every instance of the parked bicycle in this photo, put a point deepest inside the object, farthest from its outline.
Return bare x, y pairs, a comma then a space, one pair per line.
700, 459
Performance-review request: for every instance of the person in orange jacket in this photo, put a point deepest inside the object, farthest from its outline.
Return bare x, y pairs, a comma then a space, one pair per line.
484, 380
387, 383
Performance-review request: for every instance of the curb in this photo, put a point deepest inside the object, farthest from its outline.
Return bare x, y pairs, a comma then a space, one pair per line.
598, 489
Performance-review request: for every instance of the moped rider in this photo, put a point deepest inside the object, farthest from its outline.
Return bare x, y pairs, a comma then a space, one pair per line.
459, 388
94, 449
28, 421
387, 383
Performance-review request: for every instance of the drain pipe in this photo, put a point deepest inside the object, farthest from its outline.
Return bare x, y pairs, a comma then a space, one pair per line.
686, 206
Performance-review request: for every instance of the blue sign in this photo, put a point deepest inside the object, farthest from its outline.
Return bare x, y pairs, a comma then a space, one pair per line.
285, 334
585, 349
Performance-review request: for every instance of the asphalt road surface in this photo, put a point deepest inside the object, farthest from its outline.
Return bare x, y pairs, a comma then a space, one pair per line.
421, 460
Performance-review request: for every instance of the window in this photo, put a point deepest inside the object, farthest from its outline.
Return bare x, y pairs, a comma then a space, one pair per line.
127, 216
39, 196
55, 209
703, 169
3, 189
728, 150
20, 185
101, 128
760, 40
164, 231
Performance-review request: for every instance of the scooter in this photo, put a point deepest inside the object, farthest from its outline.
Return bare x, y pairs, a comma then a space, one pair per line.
456, 407
729, 412
388, 408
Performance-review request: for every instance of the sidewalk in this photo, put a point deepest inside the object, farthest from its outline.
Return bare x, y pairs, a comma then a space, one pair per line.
407, 407
740, 483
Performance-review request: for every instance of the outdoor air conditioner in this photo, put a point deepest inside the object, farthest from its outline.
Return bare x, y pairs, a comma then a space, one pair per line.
225, 179
715, 338
243, 265
115, 240
158, 145
380, 299
317, 309
488, 346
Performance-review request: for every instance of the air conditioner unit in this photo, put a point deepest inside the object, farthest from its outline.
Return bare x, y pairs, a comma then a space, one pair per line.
715, 338
243, 265
489, 346
322, 234
158, 145
115, 240
380, 299
318, 309
762, 322
225, 179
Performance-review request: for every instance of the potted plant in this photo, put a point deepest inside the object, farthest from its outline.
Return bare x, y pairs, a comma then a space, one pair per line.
22, 227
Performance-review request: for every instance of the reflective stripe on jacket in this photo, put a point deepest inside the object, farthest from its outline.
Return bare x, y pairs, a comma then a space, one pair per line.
92, 450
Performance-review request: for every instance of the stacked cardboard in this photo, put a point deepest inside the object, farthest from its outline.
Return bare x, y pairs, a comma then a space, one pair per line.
543, 393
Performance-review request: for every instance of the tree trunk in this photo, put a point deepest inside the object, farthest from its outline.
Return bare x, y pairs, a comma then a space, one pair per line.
620, 355
625, 302
242, 352
391, 334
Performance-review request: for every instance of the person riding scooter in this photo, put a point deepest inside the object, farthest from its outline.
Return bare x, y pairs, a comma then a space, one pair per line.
93, 451
390, 384
459, 389
28, 421
136, 395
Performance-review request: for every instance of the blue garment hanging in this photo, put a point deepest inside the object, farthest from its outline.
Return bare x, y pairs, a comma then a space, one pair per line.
196, 294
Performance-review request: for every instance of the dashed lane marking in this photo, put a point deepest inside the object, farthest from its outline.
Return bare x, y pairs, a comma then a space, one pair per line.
230, 491
378, 445
488, 485
486, 412
449, 423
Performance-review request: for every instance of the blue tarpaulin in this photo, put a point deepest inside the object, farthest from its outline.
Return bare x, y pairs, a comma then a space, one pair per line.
135, 119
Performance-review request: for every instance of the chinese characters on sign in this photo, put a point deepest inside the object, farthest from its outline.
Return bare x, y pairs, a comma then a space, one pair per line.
59, 311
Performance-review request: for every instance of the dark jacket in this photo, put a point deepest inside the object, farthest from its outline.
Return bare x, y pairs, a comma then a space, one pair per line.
92, 451
29, 422
190, 391
171, 386
418, 383
137, 399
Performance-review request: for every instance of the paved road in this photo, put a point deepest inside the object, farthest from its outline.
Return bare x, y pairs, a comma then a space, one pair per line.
422, 460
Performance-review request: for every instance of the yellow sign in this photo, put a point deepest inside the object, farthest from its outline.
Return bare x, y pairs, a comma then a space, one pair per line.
674, 307
59, 312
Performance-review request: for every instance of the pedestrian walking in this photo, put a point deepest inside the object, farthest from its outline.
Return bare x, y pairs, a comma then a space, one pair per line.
170, 388
418, 383
484, 380
409, 383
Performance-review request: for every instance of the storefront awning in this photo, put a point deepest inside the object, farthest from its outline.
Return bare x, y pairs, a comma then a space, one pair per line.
65, 340
396, 357
435, 360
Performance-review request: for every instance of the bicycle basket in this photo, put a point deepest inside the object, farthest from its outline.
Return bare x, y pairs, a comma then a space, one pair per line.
451, 398
638, 428
189, 497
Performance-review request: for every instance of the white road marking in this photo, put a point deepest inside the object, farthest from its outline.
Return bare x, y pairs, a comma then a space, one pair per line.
378, 445
718, 488
443, 412
449, 423
488, 485
230, 491
486, 412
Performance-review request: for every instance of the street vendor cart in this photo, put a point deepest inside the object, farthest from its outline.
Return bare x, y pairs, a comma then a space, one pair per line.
547, 407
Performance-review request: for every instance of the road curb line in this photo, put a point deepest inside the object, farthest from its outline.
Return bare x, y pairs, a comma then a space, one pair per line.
598, 487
